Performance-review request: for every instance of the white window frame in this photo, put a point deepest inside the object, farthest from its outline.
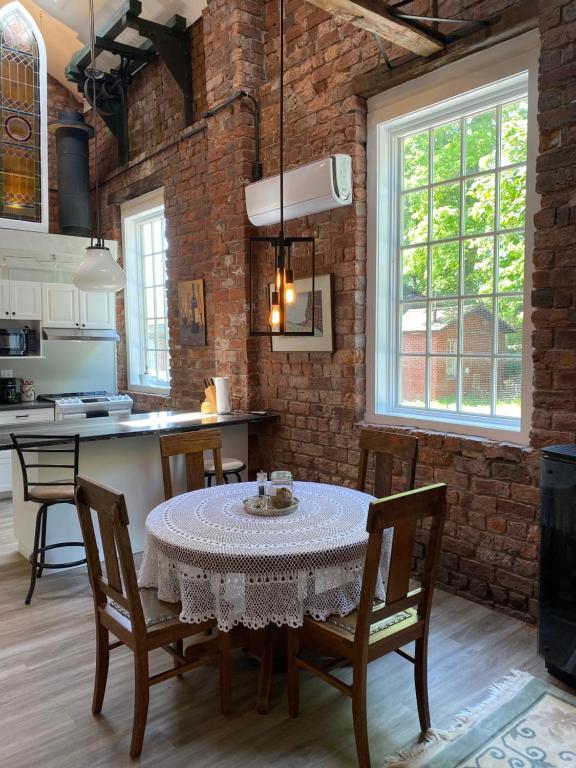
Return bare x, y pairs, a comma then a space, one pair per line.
44, 223
418, 100
134, 213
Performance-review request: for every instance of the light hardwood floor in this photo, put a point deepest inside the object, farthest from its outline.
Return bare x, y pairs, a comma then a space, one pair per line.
46, 674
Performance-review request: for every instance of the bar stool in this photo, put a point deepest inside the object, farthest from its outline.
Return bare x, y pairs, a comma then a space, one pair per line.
47, 493
230, 468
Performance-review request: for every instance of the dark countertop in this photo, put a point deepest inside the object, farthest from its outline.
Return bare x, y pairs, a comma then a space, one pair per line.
24, 406
135, 425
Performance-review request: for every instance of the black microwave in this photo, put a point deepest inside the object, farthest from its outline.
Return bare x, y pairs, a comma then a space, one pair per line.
12, 342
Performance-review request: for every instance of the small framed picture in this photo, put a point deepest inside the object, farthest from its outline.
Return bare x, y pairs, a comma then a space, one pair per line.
192, 312
299, 317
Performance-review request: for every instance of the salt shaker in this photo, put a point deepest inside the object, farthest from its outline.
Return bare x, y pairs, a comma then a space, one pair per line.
262, 478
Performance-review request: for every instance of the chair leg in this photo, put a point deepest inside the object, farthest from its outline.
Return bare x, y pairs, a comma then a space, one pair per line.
141, 698
359, 716
225, 673
34, 555
421, 682
102, 660
179, 648
293, 672
209, 479
238, 478
43, 540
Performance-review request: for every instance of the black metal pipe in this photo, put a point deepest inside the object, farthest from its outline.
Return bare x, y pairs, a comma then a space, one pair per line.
72, 136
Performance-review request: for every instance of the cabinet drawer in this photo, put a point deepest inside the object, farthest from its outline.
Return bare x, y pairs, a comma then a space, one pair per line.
26, 416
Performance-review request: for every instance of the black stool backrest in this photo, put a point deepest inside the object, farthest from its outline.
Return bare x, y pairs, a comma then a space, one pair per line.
47, 445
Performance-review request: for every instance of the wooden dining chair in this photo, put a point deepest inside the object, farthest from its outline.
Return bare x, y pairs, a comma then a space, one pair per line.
135, 616
192, 446
386, 446
378, 628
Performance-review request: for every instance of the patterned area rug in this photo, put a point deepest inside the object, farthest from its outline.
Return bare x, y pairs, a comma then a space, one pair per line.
524, 723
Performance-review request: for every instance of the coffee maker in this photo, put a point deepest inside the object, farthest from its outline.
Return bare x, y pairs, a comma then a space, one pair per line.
9, 391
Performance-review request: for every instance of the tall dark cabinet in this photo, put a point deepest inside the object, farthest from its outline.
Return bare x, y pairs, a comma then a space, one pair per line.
557, 624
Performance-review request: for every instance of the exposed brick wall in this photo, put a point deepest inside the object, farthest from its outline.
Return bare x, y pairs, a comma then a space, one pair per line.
58, 98
554, 280
490, 546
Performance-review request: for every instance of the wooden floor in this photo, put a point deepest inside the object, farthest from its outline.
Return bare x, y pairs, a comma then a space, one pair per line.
46, 668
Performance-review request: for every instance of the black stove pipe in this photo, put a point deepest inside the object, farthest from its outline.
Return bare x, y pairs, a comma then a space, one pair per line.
72, 149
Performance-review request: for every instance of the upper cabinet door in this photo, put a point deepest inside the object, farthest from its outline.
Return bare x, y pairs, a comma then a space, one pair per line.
4, 299
60, 305
25, 300
97, 310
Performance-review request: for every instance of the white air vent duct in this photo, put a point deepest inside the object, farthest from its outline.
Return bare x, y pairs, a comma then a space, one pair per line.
312, 188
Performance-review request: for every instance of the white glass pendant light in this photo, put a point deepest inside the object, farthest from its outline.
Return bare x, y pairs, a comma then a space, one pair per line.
98, 270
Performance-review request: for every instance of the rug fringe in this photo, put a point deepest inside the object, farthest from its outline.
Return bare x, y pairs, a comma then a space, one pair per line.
506, 687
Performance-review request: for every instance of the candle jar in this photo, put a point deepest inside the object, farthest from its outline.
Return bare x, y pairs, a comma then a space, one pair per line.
281, 489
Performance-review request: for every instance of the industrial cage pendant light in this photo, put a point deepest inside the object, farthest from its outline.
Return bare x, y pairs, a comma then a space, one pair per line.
283, 291
98, 270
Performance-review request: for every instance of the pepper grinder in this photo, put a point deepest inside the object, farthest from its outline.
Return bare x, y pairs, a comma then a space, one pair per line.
262, 478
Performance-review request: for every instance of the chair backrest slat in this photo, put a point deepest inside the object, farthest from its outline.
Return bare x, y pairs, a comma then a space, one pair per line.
192, 446
386, 446
120, 582
42, 445
401, 513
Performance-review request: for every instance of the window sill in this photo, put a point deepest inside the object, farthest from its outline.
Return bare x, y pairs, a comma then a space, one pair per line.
149, 390
498, 434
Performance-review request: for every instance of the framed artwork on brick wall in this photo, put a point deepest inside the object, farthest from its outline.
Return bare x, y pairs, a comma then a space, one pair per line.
192, 312
299, 317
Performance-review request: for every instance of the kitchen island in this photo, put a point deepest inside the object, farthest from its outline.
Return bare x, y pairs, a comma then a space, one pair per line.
123, 453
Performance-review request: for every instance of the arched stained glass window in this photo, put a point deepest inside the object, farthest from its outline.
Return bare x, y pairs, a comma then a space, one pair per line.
23, 192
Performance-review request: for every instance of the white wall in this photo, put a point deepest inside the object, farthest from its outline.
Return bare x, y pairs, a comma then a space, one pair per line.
70, 366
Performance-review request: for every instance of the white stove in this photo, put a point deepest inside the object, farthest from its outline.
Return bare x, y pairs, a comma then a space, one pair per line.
88, 405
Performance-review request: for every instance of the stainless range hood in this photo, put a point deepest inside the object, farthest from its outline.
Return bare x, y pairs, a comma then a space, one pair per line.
79, 334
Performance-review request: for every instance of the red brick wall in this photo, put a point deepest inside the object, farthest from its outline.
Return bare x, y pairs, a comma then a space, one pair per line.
490, 546
554, 280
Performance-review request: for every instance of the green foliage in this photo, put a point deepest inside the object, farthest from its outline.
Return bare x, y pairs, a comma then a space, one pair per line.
447, 142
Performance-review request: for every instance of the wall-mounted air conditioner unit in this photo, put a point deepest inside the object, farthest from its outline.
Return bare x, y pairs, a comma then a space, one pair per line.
312, 188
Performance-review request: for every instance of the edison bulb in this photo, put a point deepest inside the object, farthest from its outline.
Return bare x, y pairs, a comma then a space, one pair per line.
290, 293
274, 315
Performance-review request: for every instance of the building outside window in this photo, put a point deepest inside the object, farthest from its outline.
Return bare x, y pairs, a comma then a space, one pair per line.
145, 246
23, 134
451, 243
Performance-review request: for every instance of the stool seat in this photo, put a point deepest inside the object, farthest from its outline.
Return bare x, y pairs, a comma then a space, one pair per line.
228, 465
42, 493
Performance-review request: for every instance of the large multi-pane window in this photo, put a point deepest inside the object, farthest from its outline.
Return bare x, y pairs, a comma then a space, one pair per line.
22, 120
147, 317
450, 331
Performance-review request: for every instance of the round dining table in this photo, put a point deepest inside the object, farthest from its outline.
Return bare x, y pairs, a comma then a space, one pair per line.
204, 550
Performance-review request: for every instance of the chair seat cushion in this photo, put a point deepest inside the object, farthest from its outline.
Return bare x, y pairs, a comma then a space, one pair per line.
155, 611
51, 492
228, 465
346, 625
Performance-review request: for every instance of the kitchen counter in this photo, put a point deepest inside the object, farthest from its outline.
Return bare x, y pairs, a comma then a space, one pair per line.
136, 425
23, 406
131, 466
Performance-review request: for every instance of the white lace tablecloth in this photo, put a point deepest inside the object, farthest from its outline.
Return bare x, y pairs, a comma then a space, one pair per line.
204, 550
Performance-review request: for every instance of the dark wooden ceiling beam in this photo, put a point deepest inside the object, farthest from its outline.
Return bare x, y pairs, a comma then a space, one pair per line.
515, 21
372, 16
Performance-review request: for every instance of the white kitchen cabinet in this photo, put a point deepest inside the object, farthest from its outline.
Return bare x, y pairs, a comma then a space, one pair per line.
97, 310
15, 417
60, 306
20, 300
64, 306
